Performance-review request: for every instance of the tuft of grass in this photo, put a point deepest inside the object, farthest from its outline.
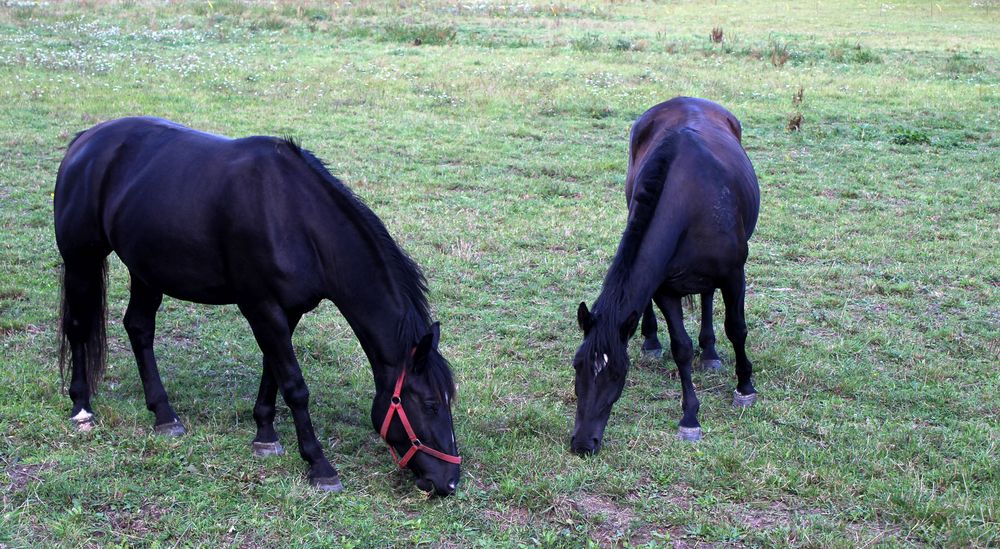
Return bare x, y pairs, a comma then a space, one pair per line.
778, 53
960, 64
797, 96
587, 42
910, 136
716, 35
794, 122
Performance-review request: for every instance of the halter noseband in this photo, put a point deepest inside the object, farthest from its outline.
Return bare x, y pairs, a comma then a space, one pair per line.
396, 406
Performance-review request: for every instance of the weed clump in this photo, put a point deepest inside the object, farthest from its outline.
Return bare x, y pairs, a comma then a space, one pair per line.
910, 136
587, 42
418, 35
716, 35
960, 64
779, 53
844, 52
794, 122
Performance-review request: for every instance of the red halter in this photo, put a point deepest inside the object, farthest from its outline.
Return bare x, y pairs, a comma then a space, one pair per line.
396, 406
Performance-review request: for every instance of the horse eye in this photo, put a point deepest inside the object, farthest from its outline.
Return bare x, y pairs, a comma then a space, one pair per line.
431, 406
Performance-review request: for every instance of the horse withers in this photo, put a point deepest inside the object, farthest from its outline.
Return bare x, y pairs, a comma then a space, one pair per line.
258, 222
693, 201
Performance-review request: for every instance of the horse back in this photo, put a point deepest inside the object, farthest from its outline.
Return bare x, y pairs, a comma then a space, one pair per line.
172, 201
680, 112
709, 152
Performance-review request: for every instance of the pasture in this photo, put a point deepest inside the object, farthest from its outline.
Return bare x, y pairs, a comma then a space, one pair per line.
491, 139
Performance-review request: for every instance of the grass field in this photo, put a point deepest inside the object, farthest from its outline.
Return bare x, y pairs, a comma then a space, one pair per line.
491, 139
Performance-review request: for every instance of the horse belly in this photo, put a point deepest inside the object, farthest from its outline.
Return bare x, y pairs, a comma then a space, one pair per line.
185, 275
703, 267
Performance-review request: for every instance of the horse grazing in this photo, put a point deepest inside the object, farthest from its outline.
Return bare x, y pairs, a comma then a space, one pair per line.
693, 203
258, 222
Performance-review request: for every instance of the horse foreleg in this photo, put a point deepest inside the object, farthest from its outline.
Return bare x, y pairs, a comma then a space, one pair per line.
683, 352
651, 347
140, 324
272, 330
733, 292
706, 338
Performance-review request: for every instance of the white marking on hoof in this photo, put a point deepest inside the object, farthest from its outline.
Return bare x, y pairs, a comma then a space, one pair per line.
82, 416
83, 420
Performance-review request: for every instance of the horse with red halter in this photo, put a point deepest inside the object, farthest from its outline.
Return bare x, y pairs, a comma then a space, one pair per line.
258, 222
693, 203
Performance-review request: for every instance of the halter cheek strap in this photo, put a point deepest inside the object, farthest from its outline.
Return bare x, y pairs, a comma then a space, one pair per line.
396, 407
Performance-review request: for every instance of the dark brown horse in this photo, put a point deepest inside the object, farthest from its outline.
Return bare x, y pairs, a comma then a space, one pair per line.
261, 223
693, 203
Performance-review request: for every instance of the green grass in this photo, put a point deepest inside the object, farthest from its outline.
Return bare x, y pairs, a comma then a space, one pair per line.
491, 138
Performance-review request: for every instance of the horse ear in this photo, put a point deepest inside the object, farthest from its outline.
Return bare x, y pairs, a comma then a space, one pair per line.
584, 318
426, 344
628, 327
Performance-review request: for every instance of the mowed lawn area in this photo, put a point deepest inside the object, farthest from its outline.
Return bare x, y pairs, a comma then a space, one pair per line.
491, 138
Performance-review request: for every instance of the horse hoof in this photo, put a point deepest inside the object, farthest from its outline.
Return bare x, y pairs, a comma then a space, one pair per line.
265, 449
172, 429
711, 364
84, 421
327, 484
743, 401
690, 434
653, 354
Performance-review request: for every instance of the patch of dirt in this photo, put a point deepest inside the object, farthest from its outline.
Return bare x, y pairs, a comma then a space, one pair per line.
20, 475
138, 523
511, 517
765, 515
612, 522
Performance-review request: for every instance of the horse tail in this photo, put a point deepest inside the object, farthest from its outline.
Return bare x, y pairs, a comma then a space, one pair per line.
83, 320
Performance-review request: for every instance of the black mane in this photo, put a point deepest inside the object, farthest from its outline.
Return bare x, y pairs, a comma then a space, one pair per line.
609, 308
405, 271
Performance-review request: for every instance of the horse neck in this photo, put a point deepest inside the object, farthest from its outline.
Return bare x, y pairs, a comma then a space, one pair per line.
371, 281
620, 298
633, 277
386, 323
385, 319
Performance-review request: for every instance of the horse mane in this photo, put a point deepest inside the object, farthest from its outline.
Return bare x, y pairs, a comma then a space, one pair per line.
404, 271
611, 303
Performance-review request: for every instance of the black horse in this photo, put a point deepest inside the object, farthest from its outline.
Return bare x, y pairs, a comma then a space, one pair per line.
261, 223
693, 204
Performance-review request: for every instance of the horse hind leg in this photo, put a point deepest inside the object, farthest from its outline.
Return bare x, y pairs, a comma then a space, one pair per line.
140, 324
706, 337
733, 293
272, 329
82, 325
651, 347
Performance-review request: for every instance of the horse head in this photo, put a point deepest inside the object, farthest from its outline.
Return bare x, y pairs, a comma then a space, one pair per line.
601, 364
413, 416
